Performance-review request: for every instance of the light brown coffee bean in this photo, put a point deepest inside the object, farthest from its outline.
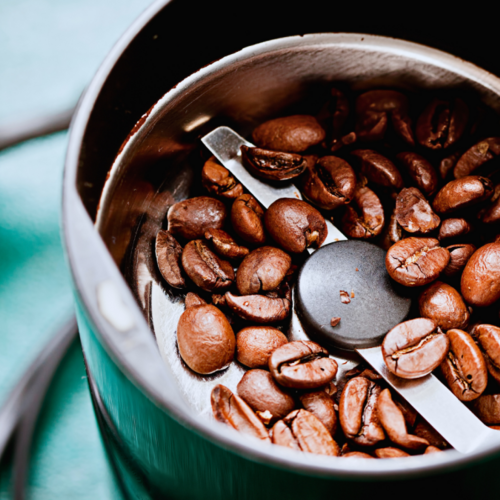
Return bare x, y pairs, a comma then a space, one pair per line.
218, 180
321, 405
391, 452
413, 212
205, 338
246, 218
254, 345
192, 300
431, 449
378, 169
224, 245
414, 348
476, 158
454, 229
168, 256
356, 454
487, 409
420, 170
488, 338
459, 256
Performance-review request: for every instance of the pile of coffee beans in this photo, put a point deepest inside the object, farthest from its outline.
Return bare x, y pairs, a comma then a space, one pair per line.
418, 175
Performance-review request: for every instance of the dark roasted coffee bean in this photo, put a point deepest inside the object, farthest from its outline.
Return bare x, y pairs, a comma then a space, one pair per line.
413, 212
442, 123
420, 170
443, 304
333, 115
295, 225
414, 348
292, 134
302, 364
487, 409
392, 420
416, 261
320, 404
205, 269
230, 409
459, 256
254, 345
453, 230
262, 270
490, 214
259, 390
364, 217
168, 257
301, 430
246, 218
218, 180
224, 245
480, 284
462, 193
205, 338
488, 338
358, 412
391, 452
378, 169
447, 164
346, 140
329, 183
474, 160
191, 218
464, 368
273, 165
192, 300
259, 308
391, 233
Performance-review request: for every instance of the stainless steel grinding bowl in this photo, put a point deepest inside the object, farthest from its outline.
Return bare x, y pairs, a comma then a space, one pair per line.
160, 434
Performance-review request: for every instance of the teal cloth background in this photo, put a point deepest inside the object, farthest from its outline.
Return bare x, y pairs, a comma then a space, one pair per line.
49, 51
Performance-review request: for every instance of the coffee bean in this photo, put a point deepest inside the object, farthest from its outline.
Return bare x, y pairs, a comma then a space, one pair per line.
302, 364
378, 169
490, 214
168, 256
459, 256
230, 409
413, 212
205, 338
416, 261
476, 158
420, 170
448, 163
464, 368
488, 338
425, 431
254, 345
295, 225
414, 348
191, 218
487, 409
320, 404
391, 233
224, 245
391, 452
218, 180
192, 300
453, 230
333, 115
246, 219
356, 454
259, 308
431, 449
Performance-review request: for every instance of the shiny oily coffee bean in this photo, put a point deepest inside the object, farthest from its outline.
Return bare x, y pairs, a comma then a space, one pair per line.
487, 409
416, 261
259, 390
291, 134
358, 412
364, 217
329, 182
464, 368
480, 283
454, 229
414, 348
420, 170
260, 308
206, 269
413, 212
192, 300
224, 245
443, 304
488, 338
230, 409
302, 364
490, 214
246, 219
191, 218
205, 338
391, 233
218, 180
273, 165
301, 430
321, 405
168, 257
295, 225
477, 156
262, 270
391, 452
254, 345
378, 169
459, 256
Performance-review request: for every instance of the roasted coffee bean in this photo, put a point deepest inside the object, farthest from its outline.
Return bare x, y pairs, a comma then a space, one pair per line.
488, 338
205, 338
462, 193
420, 170
262, 270
302, 364
259, 308
442, 123
273, 165
364, 217
346, 140
443, 304
254, 345
464, 368
295, 225
358, 412
413, 212
224, 245
425, 431
414, 348
168, 257
258, 389
191, 218
416, 261
391, 452
392, 420
320, 404
474, 160
230, 409
447, 164
431, 449
454, 229
480, 284
459, 256
378, 169
356, 454
334, 114
391, 233
491, 213
329, 182
246, 218
218, 180
192, 300
291, 134
205, 269
487, 409
409, 414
